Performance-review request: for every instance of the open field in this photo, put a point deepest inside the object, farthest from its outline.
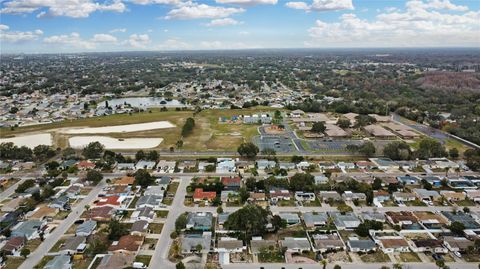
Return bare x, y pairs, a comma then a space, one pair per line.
30, 141
208, 133
80, 142
128, 128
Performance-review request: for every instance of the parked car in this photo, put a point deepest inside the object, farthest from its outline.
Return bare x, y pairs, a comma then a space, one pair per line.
457, 254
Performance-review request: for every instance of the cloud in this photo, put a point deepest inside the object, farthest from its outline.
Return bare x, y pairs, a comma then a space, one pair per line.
421, 24
322, 5
200, 11
223, 22
248, 2
73, 40
149, 2
104, 38
138, 41
118, 30
18, 36
67, 8
173, 44
435, 4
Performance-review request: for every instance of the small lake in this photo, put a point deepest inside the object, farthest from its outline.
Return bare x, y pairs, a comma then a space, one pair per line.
143, 102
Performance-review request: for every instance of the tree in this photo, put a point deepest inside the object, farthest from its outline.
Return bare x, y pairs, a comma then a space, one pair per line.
297, 159
180, 265
367, 149
453, 153
153, 155
457, 227
440, 263
364, 120
94, 176
97, 246
324, 263
187, 128
244, 195
250, 183
248, 150
302, 182
181, 222
116, 230
343, 208
319, 127
364, 228
25, 252
68, 153
93, 150
430, 148
43, 152
278, 223
143, 178
268, 152
397, 150
337, 266
25, 185
343, 123
377, 184
219, 210
250, 218
140, 155
472, 156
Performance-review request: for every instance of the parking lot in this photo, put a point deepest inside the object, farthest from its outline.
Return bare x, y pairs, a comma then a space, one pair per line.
282, 144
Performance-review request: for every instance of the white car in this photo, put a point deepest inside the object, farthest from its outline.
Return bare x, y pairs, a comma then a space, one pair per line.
457, 254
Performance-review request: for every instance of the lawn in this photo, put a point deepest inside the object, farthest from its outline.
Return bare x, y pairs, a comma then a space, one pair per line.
82, 263
471, 257
43, 262
376, 257
409, 257
273, 255
162, 213
13, 262
208, 133
143, 259
465, 203
415, 203
33, 244
155, 228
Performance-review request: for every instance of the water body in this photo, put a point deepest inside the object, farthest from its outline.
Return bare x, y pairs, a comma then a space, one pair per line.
143, 102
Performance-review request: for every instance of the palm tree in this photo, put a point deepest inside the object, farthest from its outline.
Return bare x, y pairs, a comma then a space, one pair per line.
324, 263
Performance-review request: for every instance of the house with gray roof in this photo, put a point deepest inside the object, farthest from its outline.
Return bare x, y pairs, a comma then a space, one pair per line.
29, 229
315, 219
373, 215
142, 164
155, 190
200, 221
86, 228
263, 164
296, 244
459, 216
327, 241
190, 242
59, 262
257, 243
151, 201
125, 166
139, 227
290, 218
59, 203
426, 195
144, 213
74, 245
354, 196
361, 245
326, 196
345, 221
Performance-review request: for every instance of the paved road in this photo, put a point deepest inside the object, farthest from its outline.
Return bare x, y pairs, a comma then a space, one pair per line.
52, 238
6, 193
160, 257
349, 266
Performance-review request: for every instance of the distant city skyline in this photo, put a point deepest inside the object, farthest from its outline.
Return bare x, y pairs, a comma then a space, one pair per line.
50, 26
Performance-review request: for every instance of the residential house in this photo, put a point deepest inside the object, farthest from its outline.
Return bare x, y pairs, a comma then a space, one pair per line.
402, 218
61, 203
59, 262
320, 179
454, 243
295, 244
327, 242
155, 190
200, 221
163, 182
373, 216
101, 213
257, 243
85, 165
263, 164
86, 228
139, 228
408, 180
403, 196
164, 166
42, 213
430, 220
225, 165
13, 204
473, 195
231, 183
286, 165
14, 245
305, 196
346, 166
116, 260
74, 245
390, 241
151, 201
277, 194
453, 196
125, 166
327, 196
200, 195
29, 229
144, 213
315, 219
426, 195
459, 216
345, 221
361, 245
381, 196
354, 196
427, 245
142, 164
190, 242
127, 244
290, 218
229, 196
114, 201
124, 181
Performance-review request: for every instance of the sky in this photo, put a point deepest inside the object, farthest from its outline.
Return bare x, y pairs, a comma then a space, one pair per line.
64, 26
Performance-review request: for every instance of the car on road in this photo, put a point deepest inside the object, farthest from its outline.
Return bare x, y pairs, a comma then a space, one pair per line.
437, 257
457, 254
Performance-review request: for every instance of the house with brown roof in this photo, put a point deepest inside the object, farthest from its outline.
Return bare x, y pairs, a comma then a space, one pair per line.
100, 214
460, 244
427, 245
390, 241
453, 196
14, 245
42, 213
327, 241
200, 195
257, 243
430, 220
401, 218
127, 244
84, 165
116, 260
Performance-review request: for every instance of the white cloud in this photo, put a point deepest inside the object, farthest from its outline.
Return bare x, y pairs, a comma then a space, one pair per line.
173, 44
243, 33
248, 2
68, 8
435, 4
18, 36
104, 38
149, 2
73, 40
419, 25
322, 5
118, 30
200, 11
223, 22
138, 41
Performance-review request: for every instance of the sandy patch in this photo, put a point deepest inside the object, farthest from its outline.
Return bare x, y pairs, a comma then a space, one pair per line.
115, 143
120, 128
30, 141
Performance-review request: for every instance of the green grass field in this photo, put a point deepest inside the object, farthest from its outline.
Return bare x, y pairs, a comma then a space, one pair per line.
208, 133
